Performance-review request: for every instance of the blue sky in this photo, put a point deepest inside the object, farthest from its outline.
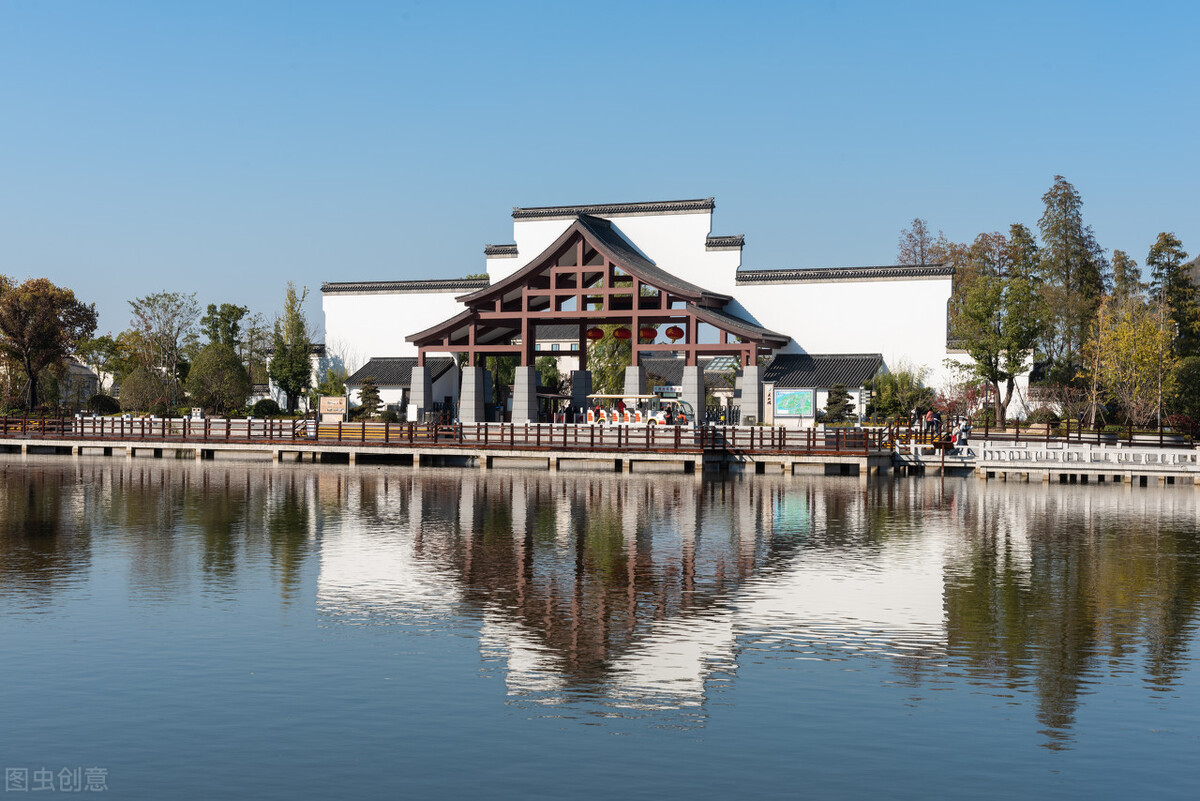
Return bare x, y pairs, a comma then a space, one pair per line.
224, 148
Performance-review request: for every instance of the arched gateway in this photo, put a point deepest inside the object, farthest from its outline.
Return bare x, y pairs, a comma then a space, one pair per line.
591, 276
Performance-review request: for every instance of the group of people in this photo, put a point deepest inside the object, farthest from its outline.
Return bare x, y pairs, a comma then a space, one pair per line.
930, 422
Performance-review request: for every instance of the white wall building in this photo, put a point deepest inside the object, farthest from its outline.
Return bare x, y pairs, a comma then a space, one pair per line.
898, 311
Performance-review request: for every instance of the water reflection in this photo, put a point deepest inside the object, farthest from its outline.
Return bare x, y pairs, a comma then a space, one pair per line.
613, 594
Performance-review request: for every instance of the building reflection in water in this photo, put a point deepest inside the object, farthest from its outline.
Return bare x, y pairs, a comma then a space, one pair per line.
623, 593
644, 592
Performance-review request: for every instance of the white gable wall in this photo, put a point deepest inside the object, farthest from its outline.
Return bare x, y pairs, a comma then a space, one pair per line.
905, 320
360, 325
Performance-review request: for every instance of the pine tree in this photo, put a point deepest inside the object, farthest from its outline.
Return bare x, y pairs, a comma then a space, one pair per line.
368, 397
838, 405
290, 367
1170, 284
1073, 274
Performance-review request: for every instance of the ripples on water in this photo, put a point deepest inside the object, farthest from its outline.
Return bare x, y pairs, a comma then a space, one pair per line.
602, 597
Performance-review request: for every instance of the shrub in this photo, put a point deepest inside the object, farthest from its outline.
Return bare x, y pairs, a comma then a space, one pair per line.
389, 416
218, 379
265, 408
984, 417
103, 404
158, 410
1183, 424
1043, 414
140, 390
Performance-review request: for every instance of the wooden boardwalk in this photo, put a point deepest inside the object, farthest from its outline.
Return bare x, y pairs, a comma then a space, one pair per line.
839, 451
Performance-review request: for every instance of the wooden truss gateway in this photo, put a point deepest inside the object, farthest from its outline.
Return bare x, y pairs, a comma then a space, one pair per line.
591, 277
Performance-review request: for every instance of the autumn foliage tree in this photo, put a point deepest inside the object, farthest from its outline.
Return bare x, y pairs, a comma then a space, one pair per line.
1130, 355
40, 324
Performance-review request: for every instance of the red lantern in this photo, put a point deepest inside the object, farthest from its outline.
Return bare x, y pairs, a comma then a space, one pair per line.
647, 333
674, 333
594, 334
622, 333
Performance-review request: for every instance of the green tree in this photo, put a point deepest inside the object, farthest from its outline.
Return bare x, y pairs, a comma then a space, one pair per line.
368, 397
1171, 284
997, 319
607, 359
838, 405
1127, 278
899, 391
217, 379
291, 366
105, 355
1073, 276
1023, 254
548, 373
141, 389
40, 324
223, 324
166, 322
334, 382
1183, 396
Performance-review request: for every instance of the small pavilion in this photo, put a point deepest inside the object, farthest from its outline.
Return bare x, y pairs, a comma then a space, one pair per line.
591, 277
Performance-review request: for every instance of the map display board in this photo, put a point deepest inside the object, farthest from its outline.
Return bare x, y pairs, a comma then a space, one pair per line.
793, 403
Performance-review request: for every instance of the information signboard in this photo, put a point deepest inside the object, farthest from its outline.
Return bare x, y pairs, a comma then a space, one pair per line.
793, 402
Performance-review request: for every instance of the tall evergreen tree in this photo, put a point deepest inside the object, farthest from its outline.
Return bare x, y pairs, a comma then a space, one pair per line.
917, 245
223, 324
1170, 284
368, 397
1127, 278
1023, 254
1073, 274
291, 368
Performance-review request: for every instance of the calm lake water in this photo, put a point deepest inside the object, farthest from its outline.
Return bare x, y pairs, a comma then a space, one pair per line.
237, 630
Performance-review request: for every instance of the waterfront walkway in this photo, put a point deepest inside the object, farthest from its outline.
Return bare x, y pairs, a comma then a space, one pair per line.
839, 451
850, 451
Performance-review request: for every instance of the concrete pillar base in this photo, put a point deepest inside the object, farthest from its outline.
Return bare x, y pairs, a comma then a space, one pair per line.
525, 409
471, 406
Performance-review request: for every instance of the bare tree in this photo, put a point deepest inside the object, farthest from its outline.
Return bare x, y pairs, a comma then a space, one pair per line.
166, 320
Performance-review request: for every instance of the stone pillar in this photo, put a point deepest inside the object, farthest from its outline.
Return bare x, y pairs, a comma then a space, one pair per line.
581, 387
420, 394
752, 392
635, 380
471, 406
693, 390
525, 396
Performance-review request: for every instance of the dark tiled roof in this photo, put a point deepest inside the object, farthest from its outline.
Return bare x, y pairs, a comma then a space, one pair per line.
821, 371
723, 242
615, 209
669, 371
431, 285
739, 326
556, 331
890, 272
396, 371
504, 251
623, 253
